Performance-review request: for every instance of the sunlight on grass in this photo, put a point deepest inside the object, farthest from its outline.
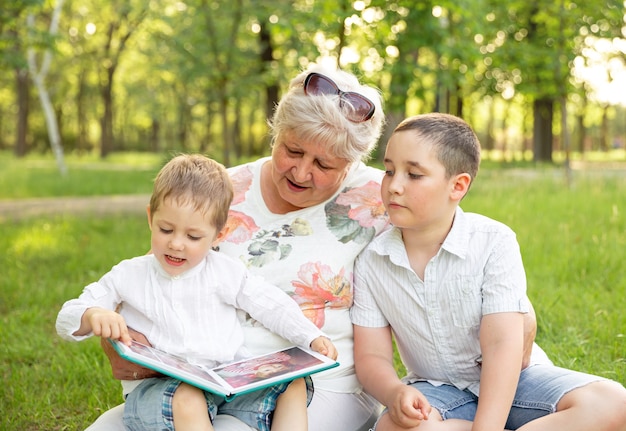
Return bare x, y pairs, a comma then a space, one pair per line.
37, 240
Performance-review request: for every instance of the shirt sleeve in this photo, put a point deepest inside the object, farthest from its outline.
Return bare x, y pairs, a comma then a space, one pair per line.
504, 283
98, 294
365, 310
273, 308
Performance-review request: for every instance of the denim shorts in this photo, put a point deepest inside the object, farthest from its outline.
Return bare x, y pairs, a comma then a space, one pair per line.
539, 390
149, 405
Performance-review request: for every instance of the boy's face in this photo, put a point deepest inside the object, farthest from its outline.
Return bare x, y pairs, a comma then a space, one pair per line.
415, 190
181, 236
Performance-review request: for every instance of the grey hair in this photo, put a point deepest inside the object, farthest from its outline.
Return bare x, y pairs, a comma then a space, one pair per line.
320, 119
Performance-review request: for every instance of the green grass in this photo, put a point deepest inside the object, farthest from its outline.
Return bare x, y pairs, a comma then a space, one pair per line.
39, 176
573, 241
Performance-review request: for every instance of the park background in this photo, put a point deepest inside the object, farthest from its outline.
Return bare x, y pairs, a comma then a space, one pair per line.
96, 95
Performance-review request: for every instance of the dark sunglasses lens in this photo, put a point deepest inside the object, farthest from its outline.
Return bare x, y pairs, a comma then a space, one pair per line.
318, 84
357, 108
361, 108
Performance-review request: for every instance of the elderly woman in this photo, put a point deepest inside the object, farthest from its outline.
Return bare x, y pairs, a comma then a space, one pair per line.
299, 218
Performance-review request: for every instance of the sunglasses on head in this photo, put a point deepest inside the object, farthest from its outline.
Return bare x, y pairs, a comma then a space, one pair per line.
360, 108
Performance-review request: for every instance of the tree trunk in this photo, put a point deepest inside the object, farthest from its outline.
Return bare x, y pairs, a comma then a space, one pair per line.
542, 130
21, 78
81, 114
106, 122
267, 56
38, 75
604, 129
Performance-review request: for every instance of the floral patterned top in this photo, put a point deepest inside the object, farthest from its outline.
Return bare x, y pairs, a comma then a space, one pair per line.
309, 254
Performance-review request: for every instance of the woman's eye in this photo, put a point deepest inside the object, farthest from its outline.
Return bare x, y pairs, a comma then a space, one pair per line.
389, 173
415, 176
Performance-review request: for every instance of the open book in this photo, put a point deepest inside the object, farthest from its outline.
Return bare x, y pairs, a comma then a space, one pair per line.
235, 378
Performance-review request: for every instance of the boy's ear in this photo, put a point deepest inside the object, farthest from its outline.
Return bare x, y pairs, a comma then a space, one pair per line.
460, 186
220, 236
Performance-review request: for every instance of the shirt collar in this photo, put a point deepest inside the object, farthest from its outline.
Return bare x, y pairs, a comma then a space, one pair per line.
189, 273
390, 243
457, 241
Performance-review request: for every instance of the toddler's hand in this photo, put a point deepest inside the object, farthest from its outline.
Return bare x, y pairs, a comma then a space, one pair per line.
107, 324
324, 346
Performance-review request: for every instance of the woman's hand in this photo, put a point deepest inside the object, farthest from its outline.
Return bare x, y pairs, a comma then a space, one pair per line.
123, 369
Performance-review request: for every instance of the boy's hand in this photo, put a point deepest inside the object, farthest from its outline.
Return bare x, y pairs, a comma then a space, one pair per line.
408, 407
324, 346
107, 324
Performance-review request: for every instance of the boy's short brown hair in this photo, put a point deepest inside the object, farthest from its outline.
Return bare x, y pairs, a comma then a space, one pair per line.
456, 145
195, 179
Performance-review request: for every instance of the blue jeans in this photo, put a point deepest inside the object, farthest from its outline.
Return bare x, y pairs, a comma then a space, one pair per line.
539, 390
149, 405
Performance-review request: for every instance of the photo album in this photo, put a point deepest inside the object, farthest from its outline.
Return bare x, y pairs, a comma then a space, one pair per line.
234, 378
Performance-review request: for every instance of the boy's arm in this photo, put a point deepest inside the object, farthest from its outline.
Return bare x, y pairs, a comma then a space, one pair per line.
501, 343
373, 358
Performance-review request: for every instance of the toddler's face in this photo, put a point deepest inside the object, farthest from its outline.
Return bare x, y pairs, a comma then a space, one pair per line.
181, 236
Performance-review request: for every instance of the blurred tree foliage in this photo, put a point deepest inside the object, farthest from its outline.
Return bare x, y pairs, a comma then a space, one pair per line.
204, 75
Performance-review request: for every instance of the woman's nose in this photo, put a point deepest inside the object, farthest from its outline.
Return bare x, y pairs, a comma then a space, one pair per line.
302, 171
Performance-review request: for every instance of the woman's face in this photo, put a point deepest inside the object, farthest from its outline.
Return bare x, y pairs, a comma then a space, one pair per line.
305, 173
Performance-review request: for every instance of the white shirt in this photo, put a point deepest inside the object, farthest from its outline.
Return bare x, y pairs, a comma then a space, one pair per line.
308, 253
193, 315
478, 270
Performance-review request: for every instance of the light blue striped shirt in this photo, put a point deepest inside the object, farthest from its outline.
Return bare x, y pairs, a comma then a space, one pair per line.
478, 270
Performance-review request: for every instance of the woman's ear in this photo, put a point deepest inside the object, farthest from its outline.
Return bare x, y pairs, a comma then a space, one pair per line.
460, 186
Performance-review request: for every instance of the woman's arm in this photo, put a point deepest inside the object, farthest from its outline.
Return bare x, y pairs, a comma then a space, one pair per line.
123, 369
530, 331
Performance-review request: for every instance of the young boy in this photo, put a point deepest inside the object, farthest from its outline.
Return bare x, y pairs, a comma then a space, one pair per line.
185, 298
451, 286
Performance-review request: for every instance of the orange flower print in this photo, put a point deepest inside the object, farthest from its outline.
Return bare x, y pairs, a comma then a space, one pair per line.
366, 205
319, 287
357, 214
239, 227
241, 183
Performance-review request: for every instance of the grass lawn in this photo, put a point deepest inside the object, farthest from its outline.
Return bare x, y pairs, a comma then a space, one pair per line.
573, 241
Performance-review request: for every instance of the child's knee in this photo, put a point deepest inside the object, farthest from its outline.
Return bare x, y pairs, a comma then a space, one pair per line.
188, 400
296, 388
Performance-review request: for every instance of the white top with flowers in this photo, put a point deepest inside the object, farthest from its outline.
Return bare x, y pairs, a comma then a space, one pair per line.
309, 254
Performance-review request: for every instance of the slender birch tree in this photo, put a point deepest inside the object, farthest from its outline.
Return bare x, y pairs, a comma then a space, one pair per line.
38, 75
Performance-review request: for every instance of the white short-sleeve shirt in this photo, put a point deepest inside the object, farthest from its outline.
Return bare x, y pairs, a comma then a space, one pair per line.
436, 321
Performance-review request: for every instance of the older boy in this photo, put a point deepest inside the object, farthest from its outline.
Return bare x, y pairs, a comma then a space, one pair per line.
451, 286
184, 297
